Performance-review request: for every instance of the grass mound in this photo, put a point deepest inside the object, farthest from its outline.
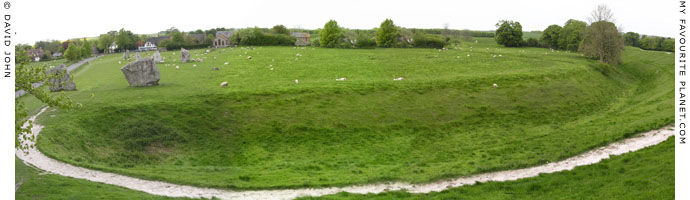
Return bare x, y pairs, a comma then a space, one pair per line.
443, 120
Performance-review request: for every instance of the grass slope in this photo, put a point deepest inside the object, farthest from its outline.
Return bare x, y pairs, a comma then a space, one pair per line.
444, 120
645, 174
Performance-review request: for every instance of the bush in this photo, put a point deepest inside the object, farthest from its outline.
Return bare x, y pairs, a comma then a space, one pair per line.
604, 68
255, 36
421, 40
365, 42
531, 42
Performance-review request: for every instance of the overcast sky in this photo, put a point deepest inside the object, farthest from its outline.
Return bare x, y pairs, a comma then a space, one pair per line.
35, 20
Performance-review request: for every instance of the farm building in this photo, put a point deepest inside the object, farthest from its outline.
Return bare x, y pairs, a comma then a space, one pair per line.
302, 38
222, 39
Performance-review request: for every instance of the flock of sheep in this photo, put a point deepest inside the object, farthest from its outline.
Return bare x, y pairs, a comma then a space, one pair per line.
297, 56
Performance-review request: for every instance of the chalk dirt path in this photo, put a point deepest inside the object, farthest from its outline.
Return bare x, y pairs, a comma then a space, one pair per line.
36, 158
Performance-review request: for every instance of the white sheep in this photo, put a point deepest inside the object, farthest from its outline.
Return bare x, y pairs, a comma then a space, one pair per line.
398, 79
194, 65
341, 79
495, 85
249, 57
224, 84
177, 67
227, 63
271, 68
296, 81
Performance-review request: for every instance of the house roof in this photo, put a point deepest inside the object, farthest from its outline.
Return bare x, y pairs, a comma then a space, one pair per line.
227, 34
157, 40
299, 34
199, 37
35, 51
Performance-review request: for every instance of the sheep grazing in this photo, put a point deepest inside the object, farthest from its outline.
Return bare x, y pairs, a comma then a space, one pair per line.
273, 60
177, 67
398, 79
194, 65
296, 81
270, 65
119, 62
249, 57
298, 55
226, 63
340, 79
224, 84
499, 55
458, 57
215, 69
271, 68
468, 55
495, 85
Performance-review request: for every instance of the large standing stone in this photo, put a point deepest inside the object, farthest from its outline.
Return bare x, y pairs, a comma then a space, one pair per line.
125, 55
142, 73
157, 57
61, 79
184, 55
136, 55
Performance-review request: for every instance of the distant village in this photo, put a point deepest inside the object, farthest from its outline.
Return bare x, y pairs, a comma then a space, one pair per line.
222, 38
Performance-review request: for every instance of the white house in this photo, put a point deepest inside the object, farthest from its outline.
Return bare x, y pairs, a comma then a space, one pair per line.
112, 47
151, 44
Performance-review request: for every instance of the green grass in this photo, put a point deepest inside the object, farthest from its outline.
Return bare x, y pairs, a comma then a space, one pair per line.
645, 174
36, 185
444, 120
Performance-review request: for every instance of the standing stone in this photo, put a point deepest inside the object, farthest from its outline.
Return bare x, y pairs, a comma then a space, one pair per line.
61, 79
125, 55
137, 56
157, 57
142, 73
184, 55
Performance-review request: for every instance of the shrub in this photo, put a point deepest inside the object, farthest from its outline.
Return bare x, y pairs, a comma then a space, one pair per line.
604, 68
421, 40
531, 42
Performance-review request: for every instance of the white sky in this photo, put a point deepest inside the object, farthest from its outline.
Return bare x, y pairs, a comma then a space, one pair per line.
35, 20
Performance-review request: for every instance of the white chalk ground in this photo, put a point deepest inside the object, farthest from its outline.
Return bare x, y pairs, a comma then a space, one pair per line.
37, 159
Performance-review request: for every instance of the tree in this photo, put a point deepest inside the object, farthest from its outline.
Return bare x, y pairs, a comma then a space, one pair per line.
61, 49
209, 39
601, 13
603, 41
123, 40
331, 34
387, 34
549, 37
104, 41
280, 29
669, 44
86, 49
570, 36
632, 39
24, 77
73, 52
509, 33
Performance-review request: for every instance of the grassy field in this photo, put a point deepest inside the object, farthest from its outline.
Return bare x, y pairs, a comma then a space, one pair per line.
646, 174
37, 185
443, 120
